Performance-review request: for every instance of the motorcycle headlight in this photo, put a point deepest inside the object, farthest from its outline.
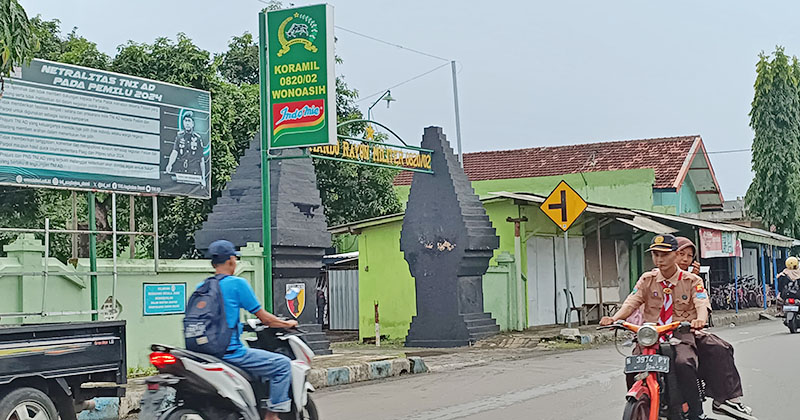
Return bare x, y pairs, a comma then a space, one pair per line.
647, 336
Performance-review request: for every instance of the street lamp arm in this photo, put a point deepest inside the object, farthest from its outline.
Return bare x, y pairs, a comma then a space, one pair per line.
379, 99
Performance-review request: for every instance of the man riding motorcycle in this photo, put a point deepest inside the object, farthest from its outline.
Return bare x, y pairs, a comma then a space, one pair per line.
670, 294
716, 362
266, 366
789, 275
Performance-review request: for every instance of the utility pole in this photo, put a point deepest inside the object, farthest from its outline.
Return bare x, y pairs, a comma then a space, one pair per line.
458, 116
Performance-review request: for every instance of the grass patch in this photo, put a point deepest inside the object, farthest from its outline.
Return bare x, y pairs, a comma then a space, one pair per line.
140, 372
386, 343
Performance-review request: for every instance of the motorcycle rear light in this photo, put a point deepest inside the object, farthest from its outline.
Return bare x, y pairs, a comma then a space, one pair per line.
152, 387
790, 301
162, 359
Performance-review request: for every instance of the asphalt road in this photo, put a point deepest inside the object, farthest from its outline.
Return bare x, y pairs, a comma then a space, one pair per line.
578, 385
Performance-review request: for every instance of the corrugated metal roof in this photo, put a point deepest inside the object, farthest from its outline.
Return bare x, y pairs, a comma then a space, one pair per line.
648, 225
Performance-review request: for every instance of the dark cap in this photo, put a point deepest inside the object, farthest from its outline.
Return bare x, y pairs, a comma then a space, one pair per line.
189, 115
221, 251
664, 243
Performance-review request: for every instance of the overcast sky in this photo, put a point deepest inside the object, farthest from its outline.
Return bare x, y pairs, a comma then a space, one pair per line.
532, 73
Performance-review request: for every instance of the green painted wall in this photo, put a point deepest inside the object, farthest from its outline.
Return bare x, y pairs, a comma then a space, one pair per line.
68, 290
498, 211
499, 290
384, 275
631, 188
683, 201
688, 198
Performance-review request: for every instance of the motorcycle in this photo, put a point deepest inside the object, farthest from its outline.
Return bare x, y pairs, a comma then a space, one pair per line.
196, 386
791, 308
655, 382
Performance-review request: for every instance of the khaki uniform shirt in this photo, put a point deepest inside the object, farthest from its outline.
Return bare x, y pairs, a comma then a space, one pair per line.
690, 299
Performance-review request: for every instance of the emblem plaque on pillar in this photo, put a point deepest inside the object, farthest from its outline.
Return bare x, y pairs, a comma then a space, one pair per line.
299, 231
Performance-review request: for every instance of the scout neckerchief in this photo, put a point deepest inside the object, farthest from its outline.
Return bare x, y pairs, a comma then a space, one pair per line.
665, 317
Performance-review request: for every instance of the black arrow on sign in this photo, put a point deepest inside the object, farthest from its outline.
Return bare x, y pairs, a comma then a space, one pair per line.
562, 205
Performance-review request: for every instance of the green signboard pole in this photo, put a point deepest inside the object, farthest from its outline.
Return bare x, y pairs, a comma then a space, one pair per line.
298, 95
266, 213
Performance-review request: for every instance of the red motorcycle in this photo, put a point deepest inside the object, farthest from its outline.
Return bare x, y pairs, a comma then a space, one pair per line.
655, 382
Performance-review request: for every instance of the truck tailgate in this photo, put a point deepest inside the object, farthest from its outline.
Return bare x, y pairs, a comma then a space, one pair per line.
95, 349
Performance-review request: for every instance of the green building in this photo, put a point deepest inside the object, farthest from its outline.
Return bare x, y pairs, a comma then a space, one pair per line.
525, 284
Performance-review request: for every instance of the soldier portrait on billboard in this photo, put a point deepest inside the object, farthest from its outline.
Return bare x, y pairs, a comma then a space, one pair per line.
187, 152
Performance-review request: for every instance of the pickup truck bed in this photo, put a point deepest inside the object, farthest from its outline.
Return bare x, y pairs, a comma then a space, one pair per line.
59, 358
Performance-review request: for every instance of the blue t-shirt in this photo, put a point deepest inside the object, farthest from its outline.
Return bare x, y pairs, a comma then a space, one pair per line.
238, 295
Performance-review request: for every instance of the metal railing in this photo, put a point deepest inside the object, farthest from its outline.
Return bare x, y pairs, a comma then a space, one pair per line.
93, 273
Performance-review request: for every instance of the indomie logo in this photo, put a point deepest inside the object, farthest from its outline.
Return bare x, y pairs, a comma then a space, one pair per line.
301, 116
298, 113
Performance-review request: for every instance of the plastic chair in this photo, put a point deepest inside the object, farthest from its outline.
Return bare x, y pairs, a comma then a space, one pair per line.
572, 308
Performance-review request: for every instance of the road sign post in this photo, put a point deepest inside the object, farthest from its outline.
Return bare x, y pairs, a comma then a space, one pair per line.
566, 279
563, 206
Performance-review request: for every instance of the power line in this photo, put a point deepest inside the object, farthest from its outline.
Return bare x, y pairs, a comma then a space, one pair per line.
403, 82
720, 152
392, 44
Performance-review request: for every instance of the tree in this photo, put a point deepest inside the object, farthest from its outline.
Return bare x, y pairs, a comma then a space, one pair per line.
17, 40
350, 192
234, 118
239, 65
775, 120
353, 192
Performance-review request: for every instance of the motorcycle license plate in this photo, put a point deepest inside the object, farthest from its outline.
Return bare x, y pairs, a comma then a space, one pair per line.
791, 308
649, 363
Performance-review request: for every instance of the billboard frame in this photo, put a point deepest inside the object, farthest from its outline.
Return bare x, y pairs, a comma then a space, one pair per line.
17, 72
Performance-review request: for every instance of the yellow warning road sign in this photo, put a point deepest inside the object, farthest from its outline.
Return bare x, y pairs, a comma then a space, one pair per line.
563, 206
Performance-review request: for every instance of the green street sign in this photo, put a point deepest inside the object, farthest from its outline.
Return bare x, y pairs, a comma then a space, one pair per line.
301, 84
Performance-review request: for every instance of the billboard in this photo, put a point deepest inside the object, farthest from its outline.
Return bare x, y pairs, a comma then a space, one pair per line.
301, 94
65, 126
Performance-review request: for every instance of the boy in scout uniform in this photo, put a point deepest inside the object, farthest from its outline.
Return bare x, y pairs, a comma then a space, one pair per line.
666, 295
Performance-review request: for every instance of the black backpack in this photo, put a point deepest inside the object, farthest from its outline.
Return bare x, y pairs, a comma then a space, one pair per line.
205, 327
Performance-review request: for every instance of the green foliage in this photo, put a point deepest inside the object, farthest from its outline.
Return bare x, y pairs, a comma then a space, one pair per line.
234, 121
79, 51
17, 39
353, 192
240, 63
775, 120
350, 192
141, 372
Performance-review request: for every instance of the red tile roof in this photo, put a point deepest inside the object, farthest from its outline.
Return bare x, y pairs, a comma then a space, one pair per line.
665, 155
